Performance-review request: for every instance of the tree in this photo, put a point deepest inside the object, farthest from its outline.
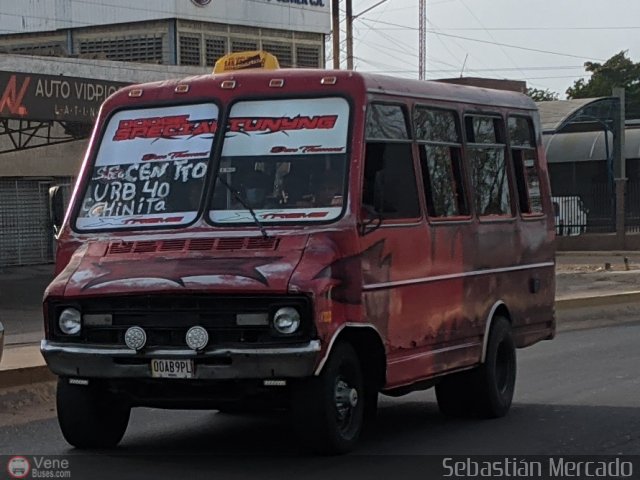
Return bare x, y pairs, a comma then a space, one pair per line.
618, 71
539, 95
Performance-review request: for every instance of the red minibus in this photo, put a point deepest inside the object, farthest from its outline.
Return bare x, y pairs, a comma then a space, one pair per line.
302, 240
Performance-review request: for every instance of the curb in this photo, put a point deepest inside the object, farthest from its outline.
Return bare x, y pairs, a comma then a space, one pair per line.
598, 301
19, 377
16, 377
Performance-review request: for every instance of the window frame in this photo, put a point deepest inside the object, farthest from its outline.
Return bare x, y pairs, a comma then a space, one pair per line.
462, 164
410, 141
224, 119
501, 134
535, 149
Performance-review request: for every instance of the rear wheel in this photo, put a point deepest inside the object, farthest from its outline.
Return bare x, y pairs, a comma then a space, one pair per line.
486, 391
328, 410
90, 416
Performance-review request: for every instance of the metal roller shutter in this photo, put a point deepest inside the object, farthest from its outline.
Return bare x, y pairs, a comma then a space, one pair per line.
25, 233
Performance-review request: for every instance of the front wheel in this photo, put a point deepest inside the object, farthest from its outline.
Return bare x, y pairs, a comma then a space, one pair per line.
90, 416
328, 410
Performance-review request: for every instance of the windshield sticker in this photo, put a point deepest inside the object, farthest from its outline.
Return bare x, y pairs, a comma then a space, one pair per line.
150, 168
277, 127
267, 125
266, 216
163, 127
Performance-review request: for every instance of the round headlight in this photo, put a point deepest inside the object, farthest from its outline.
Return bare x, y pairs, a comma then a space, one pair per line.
70, 321
286, 320
197, 338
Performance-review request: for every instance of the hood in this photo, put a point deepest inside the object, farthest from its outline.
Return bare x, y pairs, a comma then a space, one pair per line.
231, 265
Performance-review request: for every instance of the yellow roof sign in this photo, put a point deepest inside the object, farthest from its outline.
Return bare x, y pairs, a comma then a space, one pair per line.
245, 61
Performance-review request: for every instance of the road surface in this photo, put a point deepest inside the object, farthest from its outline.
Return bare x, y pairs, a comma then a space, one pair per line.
576, 395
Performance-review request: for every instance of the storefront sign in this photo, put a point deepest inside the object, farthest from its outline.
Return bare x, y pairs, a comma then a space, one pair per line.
29, 96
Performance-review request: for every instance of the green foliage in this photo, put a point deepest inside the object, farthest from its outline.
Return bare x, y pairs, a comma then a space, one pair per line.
618, 71
539, 95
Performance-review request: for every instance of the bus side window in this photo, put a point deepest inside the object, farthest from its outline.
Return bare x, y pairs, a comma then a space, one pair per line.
487, 159
389, 185
525, 162
438, 133
390, 180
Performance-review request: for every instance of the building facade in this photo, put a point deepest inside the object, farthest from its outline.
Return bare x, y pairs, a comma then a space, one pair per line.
96, 45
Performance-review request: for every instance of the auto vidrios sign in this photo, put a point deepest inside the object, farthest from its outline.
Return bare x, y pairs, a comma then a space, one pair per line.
52, 97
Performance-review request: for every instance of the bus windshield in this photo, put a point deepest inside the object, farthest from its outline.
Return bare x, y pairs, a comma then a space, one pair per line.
287, 160
150, 169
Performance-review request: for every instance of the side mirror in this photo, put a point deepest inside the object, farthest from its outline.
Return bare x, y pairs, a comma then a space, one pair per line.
56, 208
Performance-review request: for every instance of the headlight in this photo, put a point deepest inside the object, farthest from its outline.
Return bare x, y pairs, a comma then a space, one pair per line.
286, 320
70, 321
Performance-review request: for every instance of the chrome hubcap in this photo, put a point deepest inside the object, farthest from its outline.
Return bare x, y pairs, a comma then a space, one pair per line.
346, 399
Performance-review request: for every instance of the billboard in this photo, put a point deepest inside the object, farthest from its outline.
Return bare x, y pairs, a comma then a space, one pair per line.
301, 15
30, 96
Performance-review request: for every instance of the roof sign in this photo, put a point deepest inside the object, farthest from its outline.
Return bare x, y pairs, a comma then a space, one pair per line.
256, 59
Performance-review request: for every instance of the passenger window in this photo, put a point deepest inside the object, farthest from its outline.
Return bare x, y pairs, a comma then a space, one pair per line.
489, 176
386, 122
390, 181
441, 159
389, 177
525, 162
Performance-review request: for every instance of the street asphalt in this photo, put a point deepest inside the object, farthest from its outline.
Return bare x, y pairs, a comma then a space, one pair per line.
575, 395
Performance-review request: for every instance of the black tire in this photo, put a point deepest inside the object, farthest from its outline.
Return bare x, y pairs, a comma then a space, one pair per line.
90, 416
328, 410
454, 395
496, 377
486, 391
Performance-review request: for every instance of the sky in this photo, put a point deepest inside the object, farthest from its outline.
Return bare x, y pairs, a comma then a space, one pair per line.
478, 38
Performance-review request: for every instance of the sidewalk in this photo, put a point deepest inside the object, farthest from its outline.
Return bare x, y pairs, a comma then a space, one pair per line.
582, 282
21, 290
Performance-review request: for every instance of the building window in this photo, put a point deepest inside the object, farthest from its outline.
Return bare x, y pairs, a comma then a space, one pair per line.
216, 49
308, 56
489, 176
243, 45
441, 158
283, 51
525, 162
146, 49
190, 50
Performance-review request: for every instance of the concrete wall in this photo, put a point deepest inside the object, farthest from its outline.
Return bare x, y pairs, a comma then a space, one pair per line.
32, 16
61, 160
598, 242
97, 69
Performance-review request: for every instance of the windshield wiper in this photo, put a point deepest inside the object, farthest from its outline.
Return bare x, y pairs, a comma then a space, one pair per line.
244, 203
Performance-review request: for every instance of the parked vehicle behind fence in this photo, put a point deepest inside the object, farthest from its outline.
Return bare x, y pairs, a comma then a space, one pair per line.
300, 240
570, 215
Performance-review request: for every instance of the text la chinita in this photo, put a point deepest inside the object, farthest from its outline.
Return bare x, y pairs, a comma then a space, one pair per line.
182, 125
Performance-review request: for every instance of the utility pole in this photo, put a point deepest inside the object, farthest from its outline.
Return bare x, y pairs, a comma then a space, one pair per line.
349, 35
422, 40
335, 13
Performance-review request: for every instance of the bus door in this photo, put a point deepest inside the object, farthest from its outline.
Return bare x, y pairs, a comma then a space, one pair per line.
392, 234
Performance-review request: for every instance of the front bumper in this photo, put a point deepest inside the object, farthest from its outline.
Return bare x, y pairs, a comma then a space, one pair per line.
216, 364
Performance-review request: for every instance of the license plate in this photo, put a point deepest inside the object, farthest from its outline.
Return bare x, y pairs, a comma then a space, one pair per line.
166, 368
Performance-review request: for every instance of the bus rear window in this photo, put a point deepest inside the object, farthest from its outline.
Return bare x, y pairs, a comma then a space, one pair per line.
150, 169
